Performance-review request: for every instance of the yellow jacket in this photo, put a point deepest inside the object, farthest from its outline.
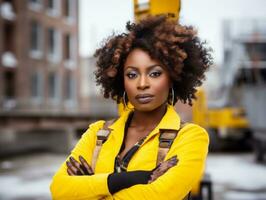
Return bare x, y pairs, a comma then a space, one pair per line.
190, 146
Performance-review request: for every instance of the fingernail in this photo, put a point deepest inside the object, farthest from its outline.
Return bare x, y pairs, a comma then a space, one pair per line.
81, 158
173, 161
67, 163
174, 158
72, 159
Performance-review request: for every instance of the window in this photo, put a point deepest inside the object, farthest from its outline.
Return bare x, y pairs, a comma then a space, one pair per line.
51, 4
67, 47
54, 50
70, 87
69, 10
53, 86
8, 56
9, 90
35, 5
9, 35
256, 51
51, 41
36, 85
66, 10
35, 36
9, 82
35, 40
53, 7
143, 4
69, 50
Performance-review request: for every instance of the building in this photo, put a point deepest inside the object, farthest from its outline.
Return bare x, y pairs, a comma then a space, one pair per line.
39, 74
39, 55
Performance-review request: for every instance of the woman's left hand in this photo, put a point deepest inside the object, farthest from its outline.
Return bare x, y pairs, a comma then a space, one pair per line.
75, 168
163, 168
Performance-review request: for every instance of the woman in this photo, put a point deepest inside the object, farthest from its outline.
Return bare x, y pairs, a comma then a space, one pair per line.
152, 66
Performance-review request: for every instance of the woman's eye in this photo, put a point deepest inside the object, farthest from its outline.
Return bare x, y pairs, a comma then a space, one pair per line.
155, 74
131, 75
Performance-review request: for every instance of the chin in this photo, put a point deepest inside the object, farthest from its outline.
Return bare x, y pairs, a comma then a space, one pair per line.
146, 107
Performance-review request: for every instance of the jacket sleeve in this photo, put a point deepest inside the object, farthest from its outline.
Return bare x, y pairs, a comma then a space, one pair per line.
67, 187
191, 148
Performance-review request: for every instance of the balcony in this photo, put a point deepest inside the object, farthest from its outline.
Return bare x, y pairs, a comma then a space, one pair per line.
8, 59
7, 11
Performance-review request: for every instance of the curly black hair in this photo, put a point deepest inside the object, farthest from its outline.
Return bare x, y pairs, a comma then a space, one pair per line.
176, 46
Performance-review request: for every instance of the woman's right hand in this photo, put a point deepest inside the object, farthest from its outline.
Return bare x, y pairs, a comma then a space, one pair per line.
162, 168
75, 168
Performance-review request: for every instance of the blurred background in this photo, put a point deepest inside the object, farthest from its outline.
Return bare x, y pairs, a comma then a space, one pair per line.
48, 95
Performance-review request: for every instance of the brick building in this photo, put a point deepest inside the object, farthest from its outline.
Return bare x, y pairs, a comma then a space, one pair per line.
39, 75
39, 55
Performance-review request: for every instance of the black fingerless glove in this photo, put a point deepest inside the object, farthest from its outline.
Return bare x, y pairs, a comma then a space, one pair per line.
119, 181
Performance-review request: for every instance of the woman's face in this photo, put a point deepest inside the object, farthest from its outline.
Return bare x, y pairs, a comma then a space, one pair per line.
146, 81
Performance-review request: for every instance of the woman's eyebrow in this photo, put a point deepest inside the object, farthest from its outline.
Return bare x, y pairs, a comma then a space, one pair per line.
149, 67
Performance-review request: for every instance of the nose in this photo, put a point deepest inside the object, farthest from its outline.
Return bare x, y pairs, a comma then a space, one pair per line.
143, 83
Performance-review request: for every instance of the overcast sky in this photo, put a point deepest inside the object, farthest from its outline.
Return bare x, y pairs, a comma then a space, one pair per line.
98, 18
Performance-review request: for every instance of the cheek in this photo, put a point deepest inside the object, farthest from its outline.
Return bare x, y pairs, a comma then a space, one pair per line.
129, 87
162, 87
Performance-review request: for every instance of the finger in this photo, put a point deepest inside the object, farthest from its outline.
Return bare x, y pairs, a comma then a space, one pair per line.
172, 158
70, 173
76, 164
162, 169
172, 163
71, 168
84, 169
76, 170
86, 165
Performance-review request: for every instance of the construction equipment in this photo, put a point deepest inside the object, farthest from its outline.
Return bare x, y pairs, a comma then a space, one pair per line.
222, 112
249, 55
224, 122
239, 111
142, 8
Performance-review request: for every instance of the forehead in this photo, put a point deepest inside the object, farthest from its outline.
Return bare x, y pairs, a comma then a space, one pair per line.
139, 58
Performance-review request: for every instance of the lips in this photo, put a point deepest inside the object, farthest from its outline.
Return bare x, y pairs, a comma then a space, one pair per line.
144, 98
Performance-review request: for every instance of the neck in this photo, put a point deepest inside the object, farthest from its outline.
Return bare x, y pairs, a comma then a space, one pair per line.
148, 119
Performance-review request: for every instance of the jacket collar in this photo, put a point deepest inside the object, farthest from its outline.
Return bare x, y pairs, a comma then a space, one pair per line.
170, 121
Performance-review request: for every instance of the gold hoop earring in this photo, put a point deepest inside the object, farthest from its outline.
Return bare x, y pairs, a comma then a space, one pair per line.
124, 100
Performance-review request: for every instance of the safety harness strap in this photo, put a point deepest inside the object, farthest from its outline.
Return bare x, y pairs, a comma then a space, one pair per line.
102, 136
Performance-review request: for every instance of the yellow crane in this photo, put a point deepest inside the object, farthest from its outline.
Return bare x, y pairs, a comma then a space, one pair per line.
157, 7
221, 122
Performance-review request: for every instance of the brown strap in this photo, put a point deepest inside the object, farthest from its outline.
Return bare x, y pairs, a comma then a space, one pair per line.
166, 139
102, 136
